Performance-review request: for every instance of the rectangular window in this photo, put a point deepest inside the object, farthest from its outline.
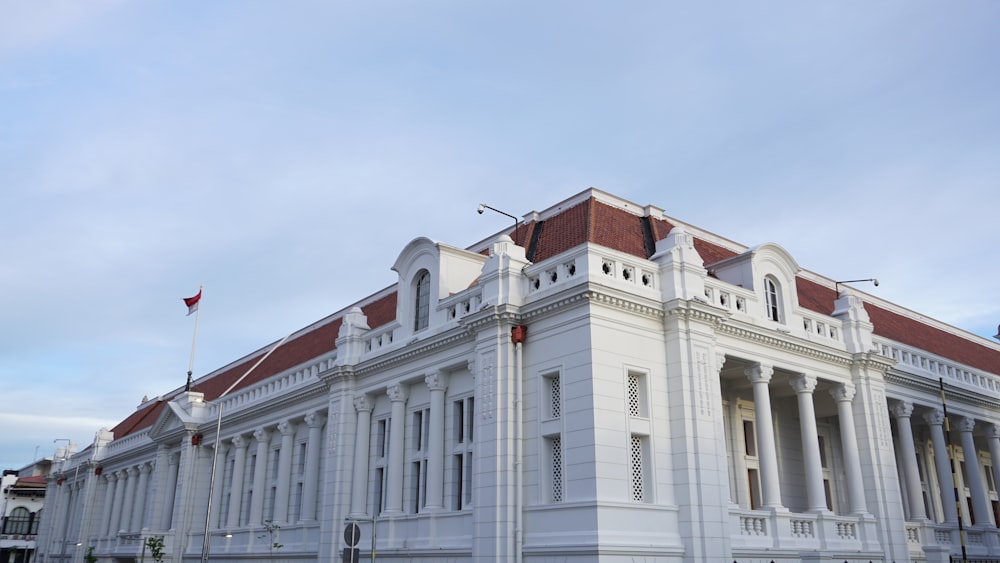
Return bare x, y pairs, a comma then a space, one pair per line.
378, 496
556, 461
822, 452
749, 438
381, 437
463, 421
553, 395
633, 395
458, 415
418, 434
458, 482
638, 469
418, 485
302, 458
471, 417
753, 481
275, 453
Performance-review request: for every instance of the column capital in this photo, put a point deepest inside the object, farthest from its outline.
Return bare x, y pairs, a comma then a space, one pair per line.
132, 471
993, 430
967, 424
759, 373
240, 442
261, 435
315, 419
145, 467
803, 383
398, 393
286, 428
437, 381
363, 403
110, 477
934, 417
843, 392
902, 409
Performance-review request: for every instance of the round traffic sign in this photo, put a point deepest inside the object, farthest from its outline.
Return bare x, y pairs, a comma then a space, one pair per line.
352, 534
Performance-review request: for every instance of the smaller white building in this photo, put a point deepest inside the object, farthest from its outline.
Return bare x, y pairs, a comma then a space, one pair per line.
21, 505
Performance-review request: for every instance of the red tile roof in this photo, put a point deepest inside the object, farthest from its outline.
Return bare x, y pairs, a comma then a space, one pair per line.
296, 351
906, 330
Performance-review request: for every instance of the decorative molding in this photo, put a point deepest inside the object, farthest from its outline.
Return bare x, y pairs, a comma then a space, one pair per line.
784, 343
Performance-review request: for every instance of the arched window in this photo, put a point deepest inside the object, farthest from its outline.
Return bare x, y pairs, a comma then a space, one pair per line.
19, 522
772, 299
422, 301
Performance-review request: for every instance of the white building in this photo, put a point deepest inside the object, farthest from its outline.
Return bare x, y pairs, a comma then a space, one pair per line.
21, 509
614, 385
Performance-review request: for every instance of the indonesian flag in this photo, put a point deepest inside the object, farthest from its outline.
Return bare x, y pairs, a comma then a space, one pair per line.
192, 302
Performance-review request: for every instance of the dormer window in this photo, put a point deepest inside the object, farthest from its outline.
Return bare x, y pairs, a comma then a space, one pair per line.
772, 299
422, 301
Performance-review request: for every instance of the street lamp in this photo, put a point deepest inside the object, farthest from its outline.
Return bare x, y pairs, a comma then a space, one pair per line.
517, 223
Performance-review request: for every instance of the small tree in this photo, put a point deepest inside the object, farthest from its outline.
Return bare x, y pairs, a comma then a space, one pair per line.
89, 557
271, 533
155, 546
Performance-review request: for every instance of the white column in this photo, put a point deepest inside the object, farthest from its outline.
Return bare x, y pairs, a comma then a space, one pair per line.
128, 505
109, 501
760, 376
362, 441
142, 491
259, 473
220, 470
935, 419
804, 386
911, 475
993, 436
116, 509
976, 488
284, 487
843, 394
160, 477
310, 485
236, 485
173, 467
394, 483
434, 500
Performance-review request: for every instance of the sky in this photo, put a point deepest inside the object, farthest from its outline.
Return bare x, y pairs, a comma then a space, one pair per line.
282, 154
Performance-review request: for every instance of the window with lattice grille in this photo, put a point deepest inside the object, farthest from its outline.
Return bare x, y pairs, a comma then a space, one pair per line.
554, 395
638, 470
633, 395
555, 452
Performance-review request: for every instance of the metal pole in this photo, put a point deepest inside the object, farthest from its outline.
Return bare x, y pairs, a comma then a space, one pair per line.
194, 339
211, 485
954, 476
218, 438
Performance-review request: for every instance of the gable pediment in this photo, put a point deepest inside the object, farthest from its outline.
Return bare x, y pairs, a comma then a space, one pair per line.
187, 411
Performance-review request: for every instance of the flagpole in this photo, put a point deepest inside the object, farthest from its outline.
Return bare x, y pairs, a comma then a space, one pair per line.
194, 339
218, 438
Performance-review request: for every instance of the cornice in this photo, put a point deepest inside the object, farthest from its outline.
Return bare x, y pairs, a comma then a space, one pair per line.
787, 344
418, 349
623, 303
923, 385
